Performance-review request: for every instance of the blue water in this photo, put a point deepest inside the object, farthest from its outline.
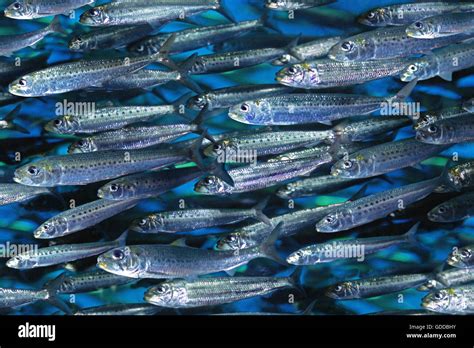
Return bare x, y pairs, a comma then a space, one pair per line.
17, 221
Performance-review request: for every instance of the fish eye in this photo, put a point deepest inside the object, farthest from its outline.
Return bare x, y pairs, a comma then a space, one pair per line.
95, 12
217, 147
418, 25
57, 122
299, 253
347, 164
142, 222
371, 15
292, 70
465, 253
160, 289
230, 238
438, 296
413, 68
329, 219
338, 288
114, 187
81, 143
432, 129
118, 255
140, 48
16, 6
245, 108
442, 210
22, 82
209, 181
347, 46
33, 170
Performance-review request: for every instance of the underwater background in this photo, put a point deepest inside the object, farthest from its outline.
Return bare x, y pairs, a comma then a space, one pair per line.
18, 221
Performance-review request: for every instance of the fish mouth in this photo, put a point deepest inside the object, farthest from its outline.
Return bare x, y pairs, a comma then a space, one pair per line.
453, 261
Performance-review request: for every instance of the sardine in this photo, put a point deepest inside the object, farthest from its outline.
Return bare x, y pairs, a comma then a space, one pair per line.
442, 26
456, 209
315, 49
121, 309
449, 278
13, 193
448, 131
462, 257
30, 9
290, 5
456, 300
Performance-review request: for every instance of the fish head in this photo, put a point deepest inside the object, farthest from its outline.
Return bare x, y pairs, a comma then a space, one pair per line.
149, 223
232, 241
285, 59
433, 134
331, 223
299, 257
167, 294
220, 148
461, 258
29, 86
458, 178
299, 75
44, 174
84, 145
52, 228
198, 102
96, 16
276, 4
125, 261
376, 17
22, 261
63, 125
444, 212
258, 112
212, 185
78, 43
469, 105
442, 301
354, 167
423, 29
118, 189
20, 10
421, 69
430, 285
287, 191
341, 291
146, 46
425, 120
350, 50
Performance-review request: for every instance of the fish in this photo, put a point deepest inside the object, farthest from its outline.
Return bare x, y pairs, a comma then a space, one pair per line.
121, 309
172, 221
448, 131
76, 75
226, 97
459, 177
431, 117
378, 286
348, 248
178, 293
303, 108
456, 209
109, 37
86, 168
308, 51
147, 184
442, 62
455, 300
449, 278
405, 14
86, 281
290, 5
462, 257
441, 26
32, 9
13, 43
389, 42
9, 121
169, 261
385, 158
14, 193
81, 217
195, 38
259, 176
376, 206
328, 73
147, 11
468, 105
229, 61
59, 254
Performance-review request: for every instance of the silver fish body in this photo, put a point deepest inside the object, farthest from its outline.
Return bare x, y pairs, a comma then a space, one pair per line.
81, 217
448, 131
290, 5
212, 291
456, 209
120, 309
459, 177
141, 79
442, 26
308, 51
19, 297
30, 9
456, 300
12, 193
449, 278
431, 117
462, 257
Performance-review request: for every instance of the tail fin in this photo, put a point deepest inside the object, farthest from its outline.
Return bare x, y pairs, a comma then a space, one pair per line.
53, 289
162, 56
293, 43
10, 120
55, 26
122, 239
410, 236
199, 123
405, 92
180, 104
310, 308
259, 215
223, 11
268, 249
218, 169
295, 280
264, 21
184, 68
58, 197
359, 194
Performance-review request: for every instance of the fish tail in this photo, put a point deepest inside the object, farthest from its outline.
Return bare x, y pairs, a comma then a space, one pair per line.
52, 287
264, 21
218, 169
10, 119
405, 92
224, 12
410, 236
184, 69
162, 56
55, 26
268, 248
295, 280
309, 309
122, 239
56, 195
199, 123
259, 215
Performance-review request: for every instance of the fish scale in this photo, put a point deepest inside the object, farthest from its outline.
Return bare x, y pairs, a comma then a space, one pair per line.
456, 300
448, 131
289, 5
88, 281
308, 51
456, 209
455, 276
441, 26
18, 297
44, 8
434, 116
10, 193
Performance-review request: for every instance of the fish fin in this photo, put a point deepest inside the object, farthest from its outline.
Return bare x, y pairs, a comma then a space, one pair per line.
218, 169
199, 123
181, 102
268, 246
231, 272
309, 309
53, 288
225, 13
10, 118
385, 178
326, 123
448, 76
405, 91
185, 79
54, 284
359, 194
294, 280
293, 43
410, 236
55, 26
162, 56
56, 195
264, 21
122, 239
259, 215
180, 242
58, 303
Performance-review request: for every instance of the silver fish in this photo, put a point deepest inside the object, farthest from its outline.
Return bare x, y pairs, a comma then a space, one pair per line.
348, 248
376, 206
385, 158
293, 109
194, 219
456, 300
390, 42
289, 5
259, 176
448, 131
30, 9
168, 261
120, 309
469, 105
13, 193
449, 278
327, 73
212, 291
81, 217
441, 26
456, 209
13, 43
308, 51
85, 168
431, 117
462, 257
459, 177
148, 184
442, 62
405, 14
372, 287
58, 254
9, 121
